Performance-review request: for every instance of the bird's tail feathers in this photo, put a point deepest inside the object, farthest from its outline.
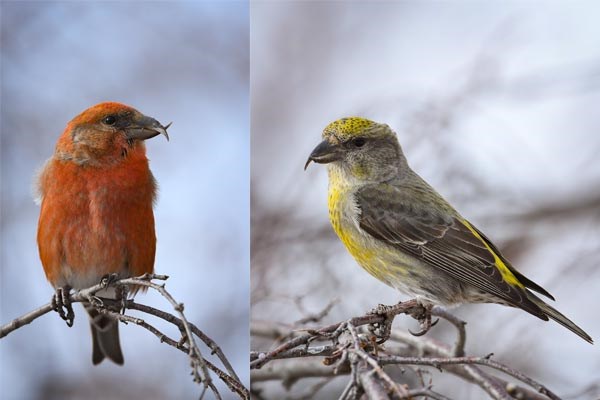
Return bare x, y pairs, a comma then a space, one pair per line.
105, 337
560, 318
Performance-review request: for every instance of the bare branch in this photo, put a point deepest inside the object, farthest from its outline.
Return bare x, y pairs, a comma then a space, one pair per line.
328, 332
289, 373
79, 296
494, 386
314, 317
187, 343
370, 385
197, 362
423, 392
437, 362
459, 347
355, 350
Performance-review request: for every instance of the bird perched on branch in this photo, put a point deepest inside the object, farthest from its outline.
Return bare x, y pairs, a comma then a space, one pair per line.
96, 220
401, 231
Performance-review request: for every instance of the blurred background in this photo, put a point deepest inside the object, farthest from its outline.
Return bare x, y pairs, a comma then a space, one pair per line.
185, 62
496, 104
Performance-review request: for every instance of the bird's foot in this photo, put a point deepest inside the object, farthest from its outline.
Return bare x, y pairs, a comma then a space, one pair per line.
108, 280
95, 301
383, 330
423, 314
61, 303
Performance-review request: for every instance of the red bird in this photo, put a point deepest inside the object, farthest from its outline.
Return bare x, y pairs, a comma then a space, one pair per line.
96, 220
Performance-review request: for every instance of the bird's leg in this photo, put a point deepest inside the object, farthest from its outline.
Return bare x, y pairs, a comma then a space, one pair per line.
61, 302
121, 296
105, 281
423, 315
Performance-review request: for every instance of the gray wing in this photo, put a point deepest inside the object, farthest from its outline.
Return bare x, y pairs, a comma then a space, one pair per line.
442, 239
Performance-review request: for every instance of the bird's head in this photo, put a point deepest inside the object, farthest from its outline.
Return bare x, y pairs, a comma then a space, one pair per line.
106, 133
362, 149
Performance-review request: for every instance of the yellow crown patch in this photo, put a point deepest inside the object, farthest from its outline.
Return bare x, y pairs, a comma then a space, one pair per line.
348, 127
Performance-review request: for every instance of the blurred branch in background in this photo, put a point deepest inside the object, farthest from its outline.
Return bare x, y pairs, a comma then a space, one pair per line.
290, 249
279, 234
349, 349
495, 107
187, 343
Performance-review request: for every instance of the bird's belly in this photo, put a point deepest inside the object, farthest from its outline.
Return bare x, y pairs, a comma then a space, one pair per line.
83, 241
92, 251
408, 274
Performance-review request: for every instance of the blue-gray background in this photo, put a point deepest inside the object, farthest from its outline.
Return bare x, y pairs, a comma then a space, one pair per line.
496, 104
176, 61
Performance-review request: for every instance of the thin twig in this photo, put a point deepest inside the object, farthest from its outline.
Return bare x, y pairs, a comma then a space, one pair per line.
196, 358
327, 331
459, 347
232, 382
313, 317
365, 360
372, 387
495, 387
436, 362
374, 365
77, 297
423, 392
200, 365
216, 350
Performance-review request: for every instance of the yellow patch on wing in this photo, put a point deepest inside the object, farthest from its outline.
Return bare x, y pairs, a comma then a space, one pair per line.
507, 275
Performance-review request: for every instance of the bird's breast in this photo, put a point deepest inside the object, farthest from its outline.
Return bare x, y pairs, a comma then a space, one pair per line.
379, 259
94, 222
344, 215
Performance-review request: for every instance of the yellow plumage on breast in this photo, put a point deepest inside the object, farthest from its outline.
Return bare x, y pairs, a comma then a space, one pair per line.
344, 214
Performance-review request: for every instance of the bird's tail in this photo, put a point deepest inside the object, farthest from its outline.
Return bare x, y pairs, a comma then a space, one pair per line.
105, 337
560, 318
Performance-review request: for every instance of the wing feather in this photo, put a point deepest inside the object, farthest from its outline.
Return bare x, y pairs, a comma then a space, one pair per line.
442, 240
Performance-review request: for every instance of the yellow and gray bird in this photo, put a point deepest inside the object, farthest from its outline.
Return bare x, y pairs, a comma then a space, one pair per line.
401, 231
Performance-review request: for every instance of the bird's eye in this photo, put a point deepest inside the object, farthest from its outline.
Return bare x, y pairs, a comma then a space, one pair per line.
109, 120
359, 142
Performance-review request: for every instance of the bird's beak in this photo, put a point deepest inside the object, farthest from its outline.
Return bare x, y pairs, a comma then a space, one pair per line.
324, 153
146, 128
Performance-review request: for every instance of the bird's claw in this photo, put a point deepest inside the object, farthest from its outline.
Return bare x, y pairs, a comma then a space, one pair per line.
95, 301
108, 279
61, 303
424, 318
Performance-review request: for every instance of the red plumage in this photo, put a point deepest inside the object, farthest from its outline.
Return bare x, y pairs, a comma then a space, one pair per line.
96, 216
